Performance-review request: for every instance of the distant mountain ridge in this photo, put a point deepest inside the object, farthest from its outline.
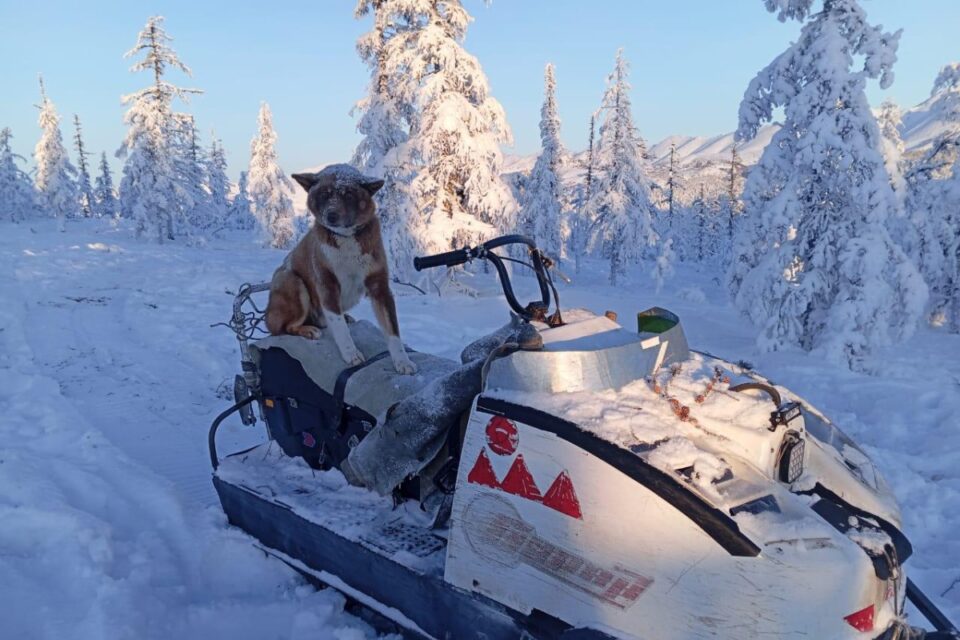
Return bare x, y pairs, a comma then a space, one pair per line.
704, 161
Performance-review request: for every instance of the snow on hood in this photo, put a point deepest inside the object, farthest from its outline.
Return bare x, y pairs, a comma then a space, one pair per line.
683, 418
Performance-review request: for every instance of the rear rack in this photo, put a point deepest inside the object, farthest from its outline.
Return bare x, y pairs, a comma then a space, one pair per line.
247, 324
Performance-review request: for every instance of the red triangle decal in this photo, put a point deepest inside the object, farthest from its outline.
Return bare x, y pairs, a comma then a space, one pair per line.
562, 497
519, 482
482, 472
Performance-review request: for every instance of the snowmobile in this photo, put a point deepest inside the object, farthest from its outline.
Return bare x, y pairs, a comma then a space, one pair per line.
569, 478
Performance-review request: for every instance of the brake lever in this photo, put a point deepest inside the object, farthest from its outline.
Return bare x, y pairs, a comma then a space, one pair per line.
551, 264
562, 275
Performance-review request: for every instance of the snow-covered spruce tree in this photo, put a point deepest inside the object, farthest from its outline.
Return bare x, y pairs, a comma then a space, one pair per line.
104, 198
729, 208
190, 168
17, 196
268, 186
83, 169
217, 185
702, 232
673, 184
948, 285
382, 122
926, 180
900, 224
541, 210
56, 178
944, 106
150, 192
619, 205
832, 279
449, 191
579, 223
239, 214
889, 119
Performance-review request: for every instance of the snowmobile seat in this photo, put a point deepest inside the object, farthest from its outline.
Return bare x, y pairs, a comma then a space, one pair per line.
317, 407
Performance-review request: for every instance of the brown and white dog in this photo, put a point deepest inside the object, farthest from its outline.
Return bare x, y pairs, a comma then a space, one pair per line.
330, 269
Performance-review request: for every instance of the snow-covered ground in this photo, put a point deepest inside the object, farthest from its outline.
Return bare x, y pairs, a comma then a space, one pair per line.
110, 375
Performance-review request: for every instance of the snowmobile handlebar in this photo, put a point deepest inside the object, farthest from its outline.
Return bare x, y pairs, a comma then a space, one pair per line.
537, 309
448, 259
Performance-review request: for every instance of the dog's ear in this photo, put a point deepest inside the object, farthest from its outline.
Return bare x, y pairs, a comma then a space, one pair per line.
372, 186
305, 180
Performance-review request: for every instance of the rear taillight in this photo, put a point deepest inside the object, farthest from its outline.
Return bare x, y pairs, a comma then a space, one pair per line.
861, 620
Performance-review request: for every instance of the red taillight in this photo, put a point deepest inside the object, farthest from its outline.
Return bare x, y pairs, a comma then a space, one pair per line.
861, 620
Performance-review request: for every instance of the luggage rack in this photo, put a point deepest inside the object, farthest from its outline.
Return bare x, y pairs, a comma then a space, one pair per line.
247, 324
247, 320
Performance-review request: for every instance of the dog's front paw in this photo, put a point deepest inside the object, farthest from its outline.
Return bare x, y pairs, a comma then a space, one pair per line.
352, 356
404, 365
309, 332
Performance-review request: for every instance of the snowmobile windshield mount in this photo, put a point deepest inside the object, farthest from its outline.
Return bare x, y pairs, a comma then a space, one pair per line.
536, 310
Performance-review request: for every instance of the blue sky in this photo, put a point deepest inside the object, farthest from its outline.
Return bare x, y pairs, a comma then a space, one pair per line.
691, 62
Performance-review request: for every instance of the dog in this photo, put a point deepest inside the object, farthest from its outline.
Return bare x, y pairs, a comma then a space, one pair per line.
334, 265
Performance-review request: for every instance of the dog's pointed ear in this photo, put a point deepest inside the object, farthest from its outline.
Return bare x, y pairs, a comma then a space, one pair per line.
372, 186
305, 180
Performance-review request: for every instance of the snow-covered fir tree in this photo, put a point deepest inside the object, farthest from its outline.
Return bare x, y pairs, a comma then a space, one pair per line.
382, 122
944, 106
948, 284
56, 178
104, 198
900, 225
217, 185
83, 169
190, 168
728, 209
239, 214
268, 186
673, 184
17, 195
150, 191
619, 205
890, 119
827, 275
927, 198
702, 226
444, 179
541, 211
579, 221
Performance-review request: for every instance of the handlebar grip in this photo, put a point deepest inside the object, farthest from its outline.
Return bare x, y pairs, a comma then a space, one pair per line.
448, 259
